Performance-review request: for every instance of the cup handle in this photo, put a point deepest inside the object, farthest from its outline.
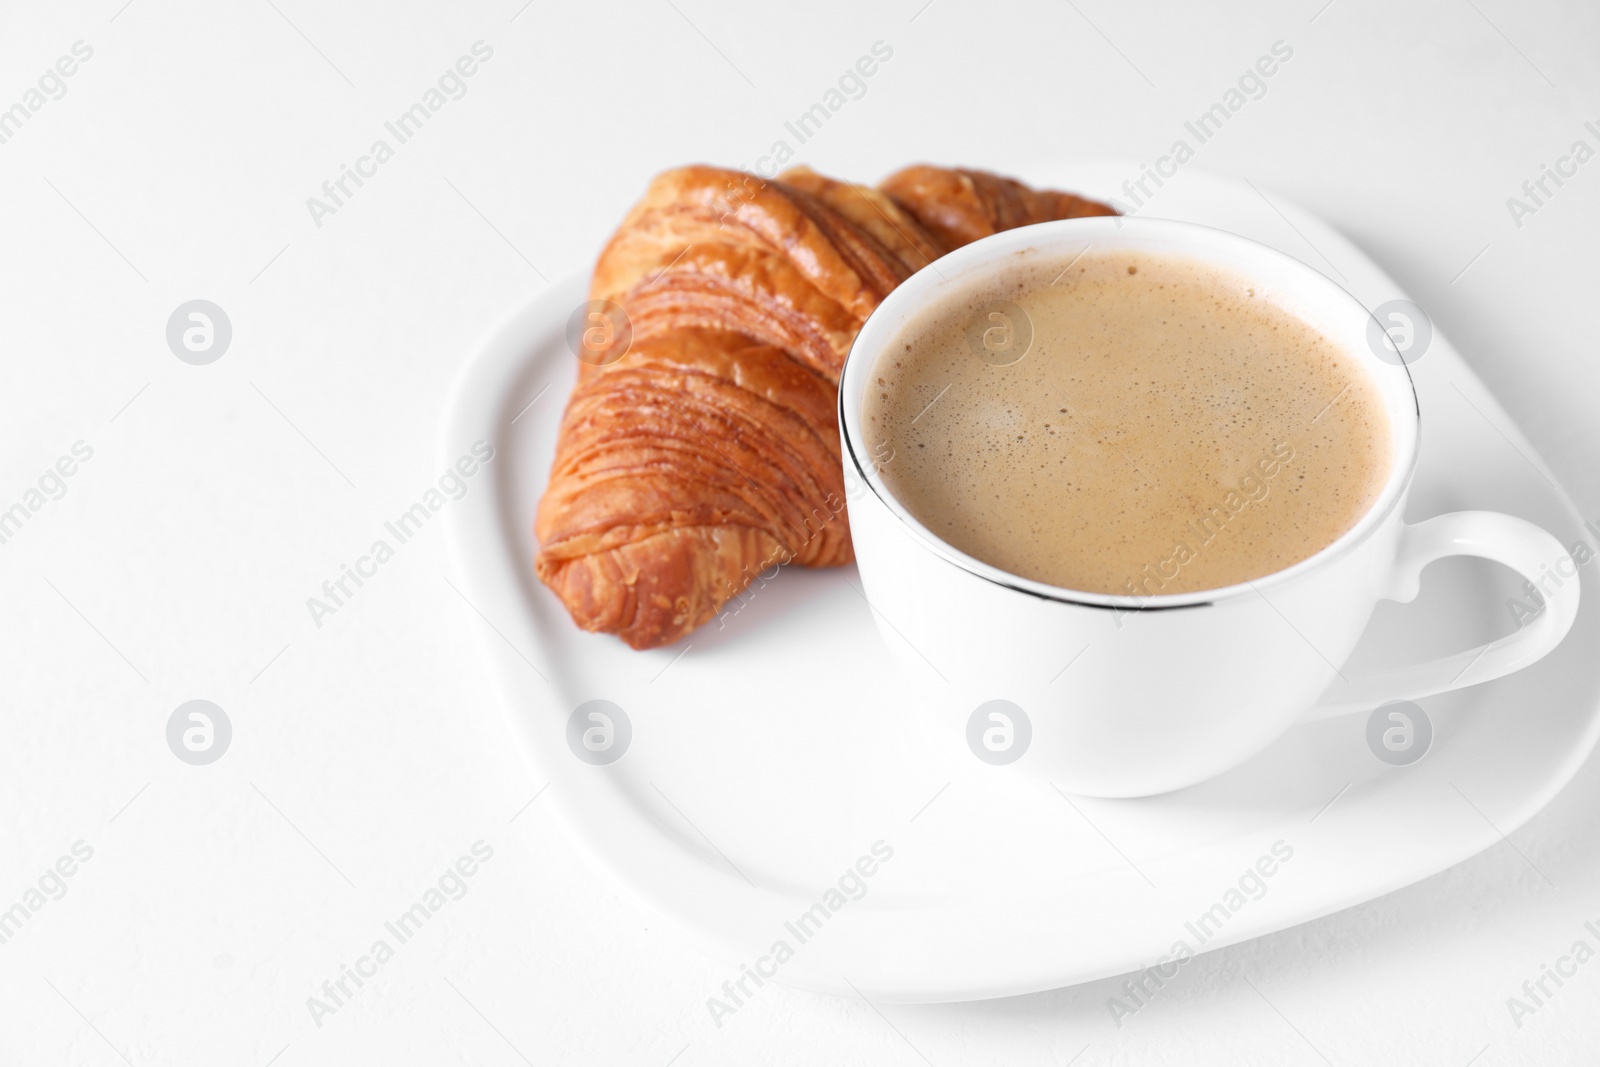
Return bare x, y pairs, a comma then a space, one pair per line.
1520, 545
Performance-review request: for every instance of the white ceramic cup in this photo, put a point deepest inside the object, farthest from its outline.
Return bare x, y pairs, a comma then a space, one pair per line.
1130, 696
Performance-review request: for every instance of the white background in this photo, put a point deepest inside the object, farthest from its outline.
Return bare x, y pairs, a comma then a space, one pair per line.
368, 753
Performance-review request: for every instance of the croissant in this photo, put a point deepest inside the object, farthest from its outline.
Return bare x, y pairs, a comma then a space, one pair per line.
700, 445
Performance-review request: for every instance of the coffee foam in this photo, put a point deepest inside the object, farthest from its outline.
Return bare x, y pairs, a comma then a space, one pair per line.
1167, 428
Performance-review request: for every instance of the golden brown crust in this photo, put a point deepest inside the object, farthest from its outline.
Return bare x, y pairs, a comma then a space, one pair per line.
875, 213
709, 452
960, 206
683, 470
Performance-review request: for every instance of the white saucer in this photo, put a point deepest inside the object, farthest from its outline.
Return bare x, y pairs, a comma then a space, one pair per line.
769, 753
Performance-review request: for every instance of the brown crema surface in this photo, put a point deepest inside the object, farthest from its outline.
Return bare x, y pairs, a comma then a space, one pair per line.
1167, 430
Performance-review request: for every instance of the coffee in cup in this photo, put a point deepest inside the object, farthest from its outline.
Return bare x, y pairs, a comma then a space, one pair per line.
1126, 423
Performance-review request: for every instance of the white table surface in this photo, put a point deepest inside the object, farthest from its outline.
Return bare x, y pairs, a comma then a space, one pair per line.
369, 753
